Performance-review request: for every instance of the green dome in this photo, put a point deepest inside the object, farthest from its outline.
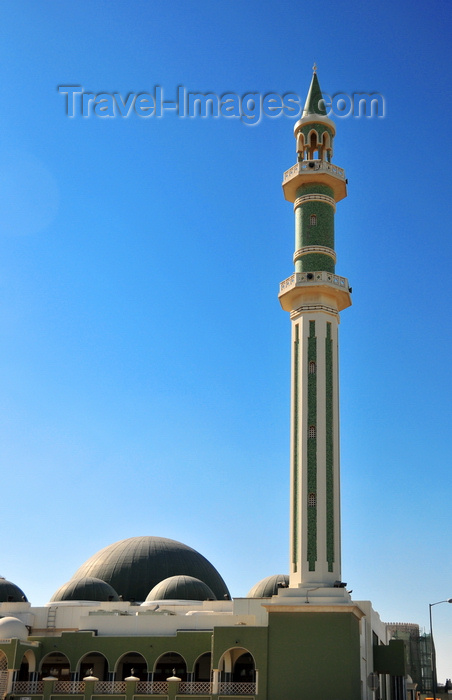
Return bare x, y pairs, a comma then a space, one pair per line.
269, 586
10, 593
181, 588
134, 566
88, 588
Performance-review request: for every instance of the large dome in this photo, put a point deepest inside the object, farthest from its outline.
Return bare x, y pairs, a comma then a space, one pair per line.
134, 566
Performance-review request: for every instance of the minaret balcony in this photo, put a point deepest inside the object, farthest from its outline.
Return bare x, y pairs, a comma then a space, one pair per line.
315, 287
307, 171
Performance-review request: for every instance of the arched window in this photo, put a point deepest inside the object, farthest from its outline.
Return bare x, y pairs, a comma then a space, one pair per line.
57, 665
312, 367
313, 220
325, 146
165, 665
27, 667
313, 145
244, 669
202, 667
312, 431
93, 664
237, 666
312, 500
131, 664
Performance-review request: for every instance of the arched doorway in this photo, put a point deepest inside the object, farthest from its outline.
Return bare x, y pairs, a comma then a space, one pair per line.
27, 666
168, 665
244, 669
57, 665
131, 664
93, 664
237, 666
203, 666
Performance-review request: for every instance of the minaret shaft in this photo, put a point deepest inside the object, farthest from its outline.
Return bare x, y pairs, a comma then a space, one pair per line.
315, 518
314, 295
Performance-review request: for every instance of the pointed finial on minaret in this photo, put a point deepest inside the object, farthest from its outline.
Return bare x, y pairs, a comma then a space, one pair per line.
315, 103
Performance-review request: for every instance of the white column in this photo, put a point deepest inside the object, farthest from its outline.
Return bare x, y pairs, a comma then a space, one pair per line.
315, 499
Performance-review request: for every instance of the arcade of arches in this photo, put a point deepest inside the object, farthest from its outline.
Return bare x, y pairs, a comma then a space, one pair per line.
236, 665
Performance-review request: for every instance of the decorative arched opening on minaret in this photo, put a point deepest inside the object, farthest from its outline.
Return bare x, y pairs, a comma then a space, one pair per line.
326, 147
313, 146
300, 146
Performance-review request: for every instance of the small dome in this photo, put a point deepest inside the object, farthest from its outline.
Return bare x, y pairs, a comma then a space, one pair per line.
12, 628
88, 588
269, 586
134, 566
181, 588
10, 593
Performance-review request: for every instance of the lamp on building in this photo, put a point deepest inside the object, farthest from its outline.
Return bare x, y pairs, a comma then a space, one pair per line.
430, 606
132, 676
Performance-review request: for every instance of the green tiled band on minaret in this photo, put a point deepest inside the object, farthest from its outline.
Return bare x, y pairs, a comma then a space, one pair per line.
314, 226
329, 448
319, 233
311, 429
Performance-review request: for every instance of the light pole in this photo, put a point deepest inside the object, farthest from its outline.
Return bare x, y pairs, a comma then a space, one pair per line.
430, 606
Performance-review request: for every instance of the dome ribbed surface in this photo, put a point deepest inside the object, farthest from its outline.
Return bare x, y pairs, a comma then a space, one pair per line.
134, 566
10, 593
181, 588
268, 586
88, 588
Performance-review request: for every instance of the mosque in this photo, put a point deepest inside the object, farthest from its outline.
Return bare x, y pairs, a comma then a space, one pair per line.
148, 617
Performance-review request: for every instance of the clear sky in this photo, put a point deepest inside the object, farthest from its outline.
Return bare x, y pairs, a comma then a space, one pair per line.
144, 356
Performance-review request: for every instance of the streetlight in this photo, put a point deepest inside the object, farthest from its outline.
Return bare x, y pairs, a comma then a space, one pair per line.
430, 606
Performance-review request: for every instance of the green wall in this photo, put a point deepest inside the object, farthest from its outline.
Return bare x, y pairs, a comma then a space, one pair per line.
313, 656
76, 644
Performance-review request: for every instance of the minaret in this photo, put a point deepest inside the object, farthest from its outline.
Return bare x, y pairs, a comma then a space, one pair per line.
314, 295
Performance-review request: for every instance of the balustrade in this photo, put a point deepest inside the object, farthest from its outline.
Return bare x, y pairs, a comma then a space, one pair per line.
301, 278
143, 688
28, 687
313, 165
237, 688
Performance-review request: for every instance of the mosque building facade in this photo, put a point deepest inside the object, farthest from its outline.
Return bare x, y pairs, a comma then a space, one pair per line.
149, 617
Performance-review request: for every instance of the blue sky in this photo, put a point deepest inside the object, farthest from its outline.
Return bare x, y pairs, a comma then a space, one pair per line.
144, 358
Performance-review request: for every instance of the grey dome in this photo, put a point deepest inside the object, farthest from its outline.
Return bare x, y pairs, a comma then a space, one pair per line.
181, 588
10, 593
88, 588
134, 566
269, 586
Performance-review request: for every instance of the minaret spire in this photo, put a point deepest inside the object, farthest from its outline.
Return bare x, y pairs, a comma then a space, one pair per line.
314, 101
314, 295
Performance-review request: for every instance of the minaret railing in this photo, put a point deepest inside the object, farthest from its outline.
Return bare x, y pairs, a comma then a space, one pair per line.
305, 278
313, 166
